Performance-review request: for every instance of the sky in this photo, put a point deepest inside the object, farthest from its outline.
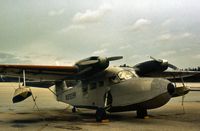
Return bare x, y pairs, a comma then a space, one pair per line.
61, 32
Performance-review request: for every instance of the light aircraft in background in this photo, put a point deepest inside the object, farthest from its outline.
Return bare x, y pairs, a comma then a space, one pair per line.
91, 83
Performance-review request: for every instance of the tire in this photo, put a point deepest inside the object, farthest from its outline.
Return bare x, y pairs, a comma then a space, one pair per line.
100, 114
142, 113
74, 109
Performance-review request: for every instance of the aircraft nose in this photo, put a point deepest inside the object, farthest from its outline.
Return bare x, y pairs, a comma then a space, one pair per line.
170, 88
163, 86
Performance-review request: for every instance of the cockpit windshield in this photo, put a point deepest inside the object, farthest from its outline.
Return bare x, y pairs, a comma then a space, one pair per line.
125, 75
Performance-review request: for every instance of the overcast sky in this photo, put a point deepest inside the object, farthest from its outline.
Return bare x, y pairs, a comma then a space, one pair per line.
64, 31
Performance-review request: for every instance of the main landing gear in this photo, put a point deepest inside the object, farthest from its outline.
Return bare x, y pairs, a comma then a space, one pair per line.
74, 110
101, 115
142, 113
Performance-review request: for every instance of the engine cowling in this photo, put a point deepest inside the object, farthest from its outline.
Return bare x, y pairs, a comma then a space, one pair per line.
94, 64
151, 66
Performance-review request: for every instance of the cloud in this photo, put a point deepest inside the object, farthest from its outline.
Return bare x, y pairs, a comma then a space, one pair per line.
167, 22
123, 47
9, 58
196, 56
56, 12
92, 16
135, 56
165, 37
105, 45
47, 59
73, 27
140, 24
81, 19
185, 49
99, 52
185, 35
168, 53
170, 36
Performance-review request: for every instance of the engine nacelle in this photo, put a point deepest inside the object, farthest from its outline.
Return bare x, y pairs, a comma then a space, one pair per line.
150, 67
92, 64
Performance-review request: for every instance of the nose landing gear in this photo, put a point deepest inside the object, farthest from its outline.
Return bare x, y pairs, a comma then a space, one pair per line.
101, 114
101, 111
142, 113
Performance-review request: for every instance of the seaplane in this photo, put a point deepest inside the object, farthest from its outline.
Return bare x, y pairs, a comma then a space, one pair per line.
93, 83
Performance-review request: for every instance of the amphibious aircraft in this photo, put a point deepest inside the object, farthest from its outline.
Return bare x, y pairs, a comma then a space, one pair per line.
92, 83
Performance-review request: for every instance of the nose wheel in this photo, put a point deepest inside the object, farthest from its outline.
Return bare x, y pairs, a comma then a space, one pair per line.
101, 114
142, 113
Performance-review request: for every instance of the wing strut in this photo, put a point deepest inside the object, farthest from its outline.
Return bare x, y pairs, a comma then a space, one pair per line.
34, 98
182, 103
24, 76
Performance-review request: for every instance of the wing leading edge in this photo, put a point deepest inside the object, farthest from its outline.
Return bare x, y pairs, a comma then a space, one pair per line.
176, 75
40, 72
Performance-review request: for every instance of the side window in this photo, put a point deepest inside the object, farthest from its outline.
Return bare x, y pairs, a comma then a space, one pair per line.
84, 88
93, 85
101, 83
125, 75
113, 79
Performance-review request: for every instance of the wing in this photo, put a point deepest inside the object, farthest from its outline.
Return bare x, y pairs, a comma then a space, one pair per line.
40, 72
189, 76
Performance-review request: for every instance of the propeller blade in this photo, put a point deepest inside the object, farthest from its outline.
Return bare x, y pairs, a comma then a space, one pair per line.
114, 58
88, 62
158, 60
172, 66
165, 62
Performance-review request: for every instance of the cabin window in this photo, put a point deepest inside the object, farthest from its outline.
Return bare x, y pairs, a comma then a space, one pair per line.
114, 79
93, 86
101, 83
125, 75
84, 87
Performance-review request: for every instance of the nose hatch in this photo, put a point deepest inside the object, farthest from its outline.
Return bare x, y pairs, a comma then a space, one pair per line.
170, 88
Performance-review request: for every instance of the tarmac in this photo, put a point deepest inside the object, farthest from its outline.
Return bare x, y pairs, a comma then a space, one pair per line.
53, 115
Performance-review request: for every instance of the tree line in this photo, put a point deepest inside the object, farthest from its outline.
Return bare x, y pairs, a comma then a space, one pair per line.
193, 69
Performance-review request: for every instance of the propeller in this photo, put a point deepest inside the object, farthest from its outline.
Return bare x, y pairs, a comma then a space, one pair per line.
173, 66
88, 62
165, 62
114, 58
97, 59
